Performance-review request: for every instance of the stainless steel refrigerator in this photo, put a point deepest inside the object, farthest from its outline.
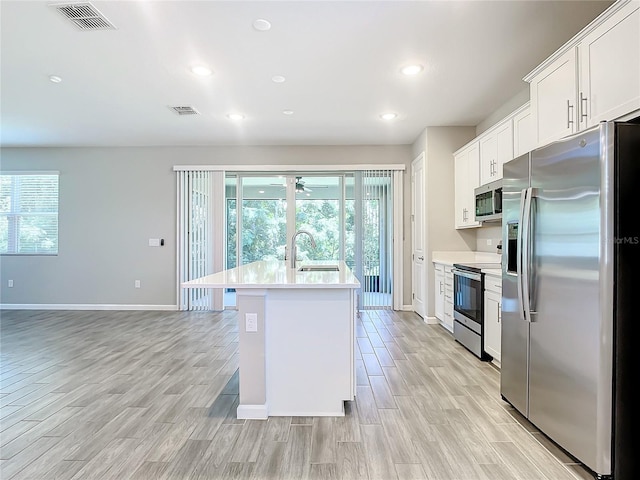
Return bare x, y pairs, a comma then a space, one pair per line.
571, 261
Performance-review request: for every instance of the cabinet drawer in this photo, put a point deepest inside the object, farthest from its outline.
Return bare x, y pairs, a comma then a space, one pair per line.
493, 284
448, 310
448, 280
439, 267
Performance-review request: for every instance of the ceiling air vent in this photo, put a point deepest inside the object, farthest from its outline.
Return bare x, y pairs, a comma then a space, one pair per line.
184, 110
84, 16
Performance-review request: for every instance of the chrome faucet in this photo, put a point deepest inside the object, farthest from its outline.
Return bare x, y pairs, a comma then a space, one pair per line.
293, 245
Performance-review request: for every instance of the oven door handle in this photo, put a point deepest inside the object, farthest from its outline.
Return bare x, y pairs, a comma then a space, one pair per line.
470, 275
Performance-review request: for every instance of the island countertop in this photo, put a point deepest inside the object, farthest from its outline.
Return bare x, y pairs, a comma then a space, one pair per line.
278, 274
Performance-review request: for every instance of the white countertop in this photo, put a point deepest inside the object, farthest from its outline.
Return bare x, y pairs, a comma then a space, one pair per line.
277, 274
495, 272
449, 258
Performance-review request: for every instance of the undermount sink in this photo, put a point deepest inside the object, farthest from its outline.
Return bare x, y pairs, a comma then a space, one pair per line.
318, 268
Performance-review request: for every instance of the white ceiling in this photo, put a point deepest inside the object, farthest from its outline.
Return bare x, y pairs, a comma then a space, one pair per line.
341, 60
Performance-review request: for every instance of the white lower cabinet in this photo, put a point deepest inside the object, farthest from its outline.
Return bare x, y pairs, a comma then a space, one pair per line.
443, 295
448, 298
492, 316
439, 293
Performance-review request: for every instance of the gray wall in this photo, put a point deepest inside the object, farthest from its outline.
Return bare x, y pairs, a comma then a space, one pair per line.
507, 108
112, 200
439, 143
492, 233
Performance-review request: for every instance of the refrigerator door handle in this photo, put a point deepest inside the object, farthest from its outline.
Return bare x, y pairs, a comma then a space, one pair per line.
519, 254
530, 194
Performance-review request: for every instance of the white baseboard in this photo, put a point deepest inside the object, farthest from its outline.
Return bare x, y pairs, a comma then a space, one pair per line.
252, 412
407, 308
80, 306
431, 320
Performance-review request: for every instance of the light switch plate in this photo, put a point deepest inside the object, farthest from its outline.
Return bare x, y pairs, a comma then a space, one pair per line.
251, 322
154, 242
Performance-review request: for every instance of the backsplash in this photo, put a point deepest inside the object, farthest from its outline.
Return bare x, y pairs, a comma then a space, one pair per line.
488, 238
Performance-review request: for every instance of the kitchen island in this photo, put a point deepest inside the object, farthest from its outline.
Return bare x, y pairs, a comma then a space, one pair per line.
296, 336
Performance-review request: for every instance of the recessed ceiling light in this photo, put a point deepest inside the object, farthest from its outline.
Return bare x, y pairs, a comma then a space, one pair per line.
262, 25
388, 116
55, 78
201, 70
278, 79
260, 191
287, 112
235, 116
308, 194
412, 69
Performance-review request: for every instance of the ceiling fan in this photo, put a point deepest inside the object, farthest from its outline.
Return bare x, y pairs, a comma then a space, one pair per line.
300, 186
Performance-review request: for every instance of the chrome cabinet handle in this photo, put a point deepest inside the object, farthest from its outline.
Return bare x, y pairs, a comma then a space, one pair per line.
420, 258
569, 114
583, 107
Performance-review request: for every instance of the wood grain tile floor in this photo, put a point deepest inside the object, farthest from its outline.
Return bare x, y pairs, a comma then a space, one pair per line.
153, 395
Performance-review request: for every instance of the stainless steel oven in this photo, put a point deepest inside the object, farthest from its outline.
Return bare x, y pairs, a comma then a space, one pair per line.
468, 307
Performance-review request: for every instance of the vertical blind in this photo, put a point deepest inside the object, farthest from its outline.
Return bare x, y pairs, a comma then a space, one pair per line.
195, 237
376, 279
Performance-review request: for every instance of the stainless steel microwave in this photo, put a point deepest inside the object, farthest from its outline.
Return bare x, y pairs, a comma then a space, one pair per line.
489, 202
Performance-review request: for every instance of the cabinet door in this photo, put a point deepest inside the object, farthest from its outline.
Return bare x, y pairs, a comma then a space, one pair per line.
504, 148
460, 175
467, 179
488, 158
492, 324
522, 133
473, 179
553, 100
439, 294
448, 298
610, 68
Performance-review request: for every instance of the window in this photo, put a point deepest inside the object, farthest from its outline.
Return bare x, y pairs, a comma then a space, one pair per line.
29, 213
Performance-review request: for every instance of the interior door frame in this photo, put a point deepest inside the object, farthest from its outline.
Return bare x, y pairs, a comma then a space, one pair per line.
418, 262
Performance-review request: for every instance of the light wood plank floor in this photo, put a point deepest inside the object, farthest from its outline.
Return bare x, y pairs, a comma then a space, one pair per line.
153, 395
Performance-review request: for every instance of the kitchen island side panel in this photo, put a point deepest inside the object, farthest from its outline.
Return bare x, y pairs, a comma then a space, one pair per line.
309, 351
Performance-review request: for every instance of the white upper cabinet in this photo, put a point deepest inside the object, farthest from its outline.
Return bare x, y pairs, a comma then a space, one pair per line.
522, 131
553, 99
594, 77
467, 177
496, 148
610, 68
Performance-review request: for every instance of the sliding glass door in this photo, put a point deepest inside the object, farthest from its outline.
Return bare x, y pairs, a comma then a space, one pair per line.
319, 209
347, 214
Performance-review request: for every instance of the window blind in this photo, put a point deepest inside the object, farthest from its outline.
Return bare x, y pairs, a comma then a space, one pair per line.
199, 251
29, 213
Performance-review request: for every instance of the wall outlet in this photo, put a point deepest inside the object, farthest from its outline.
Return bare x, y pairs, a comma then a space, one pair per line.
251, 322
489, 242
10, 283
137, 284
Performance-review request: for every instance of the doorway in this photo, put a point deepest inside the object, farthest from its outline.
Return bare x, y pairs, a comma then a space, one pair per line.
348, 214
